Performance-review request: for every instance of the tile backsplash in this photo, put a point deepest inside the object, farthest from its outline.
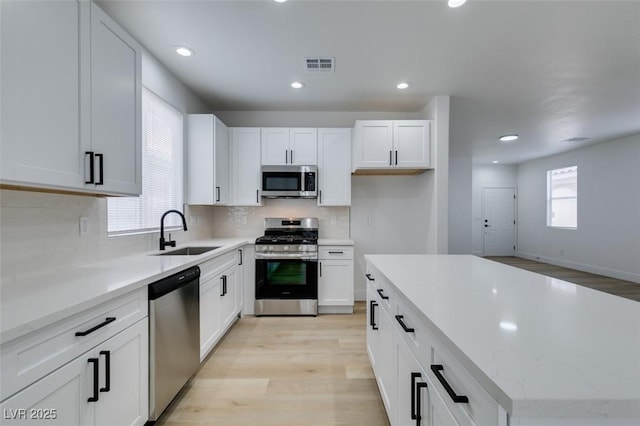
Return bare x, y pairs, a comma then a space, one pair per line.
41, 231
249, 221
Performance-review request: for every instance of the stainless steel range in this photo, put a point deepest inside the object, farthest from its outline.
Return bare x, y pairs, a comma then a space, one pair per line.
287, 267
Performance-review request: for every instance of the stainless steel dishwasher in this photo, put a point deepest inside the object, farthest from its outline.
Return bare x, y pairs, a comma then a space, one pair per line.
174, 336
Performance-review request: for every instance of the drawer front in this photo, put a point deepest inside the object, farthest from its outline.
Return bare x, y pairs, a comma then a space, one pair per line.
419, 340
335, 252
481, 408
31, 357
213, 267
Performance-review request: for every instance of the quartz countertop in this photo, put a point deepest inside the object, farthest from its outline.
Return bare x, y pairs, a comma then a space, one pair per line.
542, 347
33, 300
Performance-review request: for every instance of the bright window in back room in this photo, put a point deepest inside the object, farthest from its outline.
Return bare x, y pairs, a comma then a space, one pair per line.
562, 197
162, 187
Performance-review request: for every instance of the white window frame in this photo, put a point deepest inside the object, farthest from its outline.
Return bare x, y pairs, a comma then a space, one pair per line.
551, 198
172, 222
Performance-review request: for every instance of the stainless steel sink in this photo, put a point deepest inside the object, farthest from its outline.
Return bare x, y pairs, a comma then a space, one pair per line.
187, 251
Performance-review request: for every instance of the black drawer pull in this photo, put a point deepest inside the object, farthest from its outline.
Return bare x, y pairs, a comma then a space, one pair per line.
107, 371
414, 376
107, 320
101, 170
403, 325
369, 277
380, 291
92, 172
437, 368
96, 376
372, 318
336, 252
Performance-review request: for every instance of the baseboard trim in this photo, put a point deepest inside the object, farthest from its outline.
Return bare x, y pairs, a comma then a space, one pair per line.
621, 275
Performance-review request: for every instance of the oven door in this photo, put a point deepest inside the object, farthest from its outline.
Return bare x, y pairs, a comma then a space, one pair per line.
286, 276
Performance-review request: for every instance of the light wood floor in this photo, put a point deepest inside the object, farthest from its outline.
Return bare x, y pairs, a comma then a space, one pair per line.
627, 289
285, 371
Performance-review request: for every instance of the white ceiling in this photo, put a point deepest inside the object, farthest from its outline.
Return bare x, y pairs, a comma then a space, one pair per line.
547, 70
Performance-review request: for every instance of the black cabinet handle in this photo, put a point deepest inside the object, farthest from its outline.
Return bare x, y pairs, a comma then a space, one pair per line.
91, 155
257, 196
380, 291
320, 265
391, 158
372, 317
107, 371
95, 363
100, 157
224, 285
336, 252
369, 277
291, 156
217, 193
403, 325
396, 158
240, 251
437, 368
286, 156
320, 197
97, 327
419, 387
414, 376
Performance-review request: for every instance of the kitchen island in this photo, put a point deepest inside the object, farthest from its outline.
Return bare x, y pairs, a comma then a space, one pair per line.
535, 349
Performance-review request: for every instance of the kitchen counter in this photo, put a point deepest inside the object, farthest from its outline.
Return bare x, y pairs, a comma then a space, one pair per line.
32, 301
542, 347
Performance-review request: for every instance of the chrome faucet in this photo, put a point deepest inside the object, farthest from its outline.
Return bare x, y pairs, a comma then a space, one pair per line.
169, 243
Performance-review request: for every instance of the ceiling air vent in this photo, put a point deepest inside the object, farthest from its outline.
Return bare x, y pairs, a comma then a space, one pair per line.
319, 64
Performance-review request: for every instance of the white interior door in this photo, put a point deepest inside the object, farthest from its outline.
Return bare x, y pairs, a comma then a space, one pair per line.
498, 221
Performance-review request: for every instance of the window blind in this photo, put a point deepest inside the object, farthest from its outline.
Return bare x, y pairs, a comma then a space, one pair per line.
162, 185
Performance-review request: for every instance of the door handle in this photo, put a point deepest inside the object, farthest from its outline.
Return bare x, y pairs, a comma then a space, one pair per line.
414, 376
399, 318
91, 155
372, 318
101, 171
291, 156
437, 368
380, 292
419, 387
95, 362
107, 371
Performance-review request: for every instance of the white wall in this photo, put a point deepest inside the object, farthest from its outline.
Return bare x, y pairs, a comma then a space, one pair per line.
607, 240
487, 176
460, 195
40, 231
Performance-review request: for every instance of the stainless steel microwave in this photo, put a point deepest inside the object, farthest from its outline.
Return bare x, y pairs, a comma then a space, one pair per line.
289, 181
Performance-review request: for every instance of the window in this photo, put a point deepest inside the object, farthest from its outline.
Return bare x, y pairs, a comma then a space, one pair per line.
162, 140
562, 197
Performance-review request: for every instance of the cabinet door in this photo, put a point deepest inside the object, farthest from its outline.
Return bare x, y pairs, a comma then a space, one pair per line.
124, 385
335, 282
411, 144
275, 146
230, 296
221, 160
115, 102
413, 389
334, 167
210, 317
438, 411
373, 144
40, 110
61, 397
303, 147
245, 166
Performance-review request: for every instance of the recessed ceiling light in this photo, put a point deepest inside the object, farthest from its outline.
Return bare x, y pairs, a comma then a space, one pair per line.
402, 85
508, 138
297, 85
456, 3
280, 1
509, 326
184, 50
495, 161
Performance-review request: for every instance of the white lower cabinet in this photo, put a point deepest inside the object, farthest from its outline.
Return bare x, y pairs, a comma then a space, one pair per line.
420, 381
221, 297
335, 279
107, 385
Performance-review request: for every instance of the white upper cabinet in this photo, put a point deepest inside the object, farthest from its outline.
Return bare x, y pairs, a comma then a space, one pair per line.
116, 111
334, 167
207, 160
401, 146
71, 101
285, 146
245, 166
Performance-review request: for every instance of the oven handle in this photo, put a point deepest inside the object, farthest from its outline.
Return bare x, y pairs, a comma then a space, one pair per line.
303, 256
